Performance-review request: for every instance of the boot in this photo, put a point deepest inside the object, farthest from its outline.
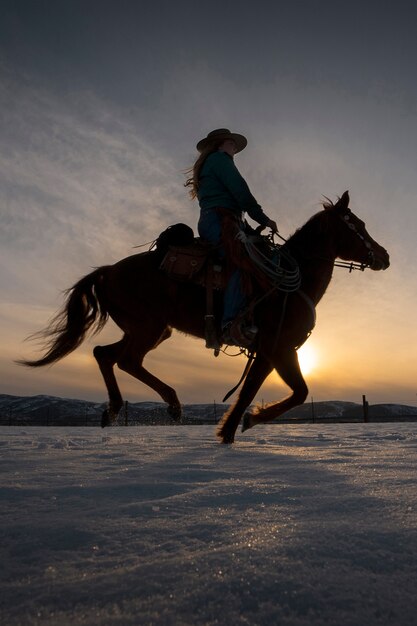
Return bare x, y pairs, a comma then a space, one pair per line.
237, 333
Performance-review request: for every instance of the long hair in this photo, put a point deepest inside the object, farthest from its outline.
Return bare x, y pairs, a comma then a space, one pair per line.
194, 171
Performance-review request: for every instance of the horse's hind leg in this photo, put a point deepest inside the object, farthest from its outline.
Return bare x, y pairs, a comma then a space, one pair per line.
131, 362
106, 357
258, 372
128, 354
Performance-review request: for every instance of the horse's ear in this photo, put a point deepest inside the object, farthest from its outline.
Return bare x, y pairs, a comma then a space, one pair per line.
344, 201
341, 205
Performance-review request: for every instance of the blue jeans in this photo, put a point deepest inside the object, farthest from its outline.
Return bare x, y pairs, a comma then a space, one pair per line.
209, 229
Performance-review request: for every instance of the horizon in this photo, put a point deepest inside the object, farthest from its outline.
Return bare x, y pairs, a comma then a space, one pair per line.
102, 107
309, 401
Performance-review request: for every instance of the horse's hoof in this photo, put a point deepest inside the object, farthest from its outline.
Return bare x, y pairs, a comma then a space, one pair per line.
108, 417
246, 422
105, 419
225, 437
175, 412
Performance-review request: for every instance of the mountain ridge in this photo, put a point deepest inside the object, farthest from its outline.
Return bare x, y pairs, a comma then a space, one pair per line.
43, 409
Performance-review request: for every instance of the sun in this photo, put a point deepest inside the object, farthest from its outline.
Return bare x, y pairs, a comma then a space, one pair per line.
307, 358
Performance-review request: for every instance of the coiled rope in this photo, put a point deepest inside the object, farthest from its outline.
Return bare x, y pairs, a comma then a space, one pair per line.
280, 268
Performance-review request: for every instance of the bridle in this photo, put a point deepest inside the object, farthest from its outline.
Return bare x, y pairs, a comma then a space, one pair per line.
351, 265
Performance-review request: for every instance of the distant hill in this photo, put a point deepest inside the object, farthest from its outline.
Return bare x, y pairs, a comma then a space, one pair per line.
50, 410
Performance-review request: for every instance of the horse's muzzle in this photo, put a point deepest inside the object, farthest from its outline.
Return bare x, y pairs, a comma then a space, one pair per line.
380, 261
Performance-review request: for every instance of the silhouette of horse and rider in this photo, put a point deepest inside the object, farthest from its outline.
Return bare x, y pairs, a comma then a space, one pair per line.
147, 303
269, 319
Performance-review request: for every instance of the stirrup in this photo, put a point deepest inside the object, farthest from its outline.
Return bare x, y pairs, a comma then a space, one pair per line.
235, 333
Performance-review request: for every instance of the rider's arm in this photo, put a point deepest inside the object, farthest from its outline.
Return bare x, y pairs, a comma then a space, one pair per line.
224, 168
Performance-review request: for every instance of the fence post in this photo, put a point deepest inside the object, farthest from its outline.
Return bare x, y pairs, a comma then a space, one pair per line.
365, 409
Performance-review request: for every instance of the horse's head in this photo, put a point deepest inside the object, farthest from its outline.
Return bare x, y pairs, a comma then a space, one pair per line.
354, 241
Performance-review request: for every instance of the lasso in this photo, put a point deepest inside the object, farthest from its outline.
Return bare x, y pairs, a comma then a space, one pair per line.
288, 278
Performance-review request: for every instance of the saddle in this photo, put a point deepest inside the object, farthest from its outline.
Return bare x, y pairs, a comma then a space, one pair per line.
188, 259
196, 263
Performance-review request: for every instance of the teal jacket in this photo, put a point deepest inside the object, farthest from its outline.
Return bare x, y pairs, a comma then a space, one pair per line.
221, 185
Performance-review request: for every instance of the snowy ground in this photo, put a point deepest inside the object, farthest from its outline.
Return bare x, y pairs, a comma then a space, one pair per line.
293, 525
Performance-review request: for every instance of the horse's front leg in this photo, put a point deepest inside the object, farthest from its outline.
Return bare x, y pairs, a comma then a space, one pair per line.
287, 366
259, 370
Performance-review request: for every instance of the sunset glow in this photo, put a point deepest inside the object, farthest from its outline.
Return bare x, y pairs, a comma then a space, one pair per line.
307, 358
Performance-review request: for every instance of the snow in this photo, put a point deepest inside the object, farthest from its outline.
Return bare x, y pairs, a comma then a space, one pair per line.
294, 525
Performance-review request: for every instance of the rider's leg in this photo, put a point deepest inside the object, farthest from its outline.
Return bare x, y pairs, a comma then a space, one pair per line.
234, 299
210, 228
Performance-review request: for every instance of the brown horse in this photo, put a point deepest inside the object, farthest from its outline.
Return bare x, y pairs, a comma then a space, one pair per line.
146, 304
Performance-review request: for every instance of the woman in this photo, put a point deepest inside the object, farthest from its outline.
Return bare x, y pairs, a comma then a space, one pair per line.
219, 186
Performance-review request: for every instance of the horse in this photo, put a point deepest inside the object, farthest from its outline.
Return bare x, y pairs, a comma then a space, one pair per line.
147, 304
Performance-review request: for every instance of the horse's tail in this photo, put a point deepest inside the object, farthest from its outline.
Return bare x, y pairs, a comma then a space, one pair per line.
82, 312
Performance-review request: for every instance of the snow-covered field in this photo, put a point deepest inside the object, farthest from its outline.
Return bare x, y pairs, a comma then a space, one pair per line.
293, 525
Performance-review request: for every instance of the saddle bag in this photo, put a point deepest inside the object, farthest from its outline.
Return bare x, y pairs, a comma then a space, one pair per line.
184, 263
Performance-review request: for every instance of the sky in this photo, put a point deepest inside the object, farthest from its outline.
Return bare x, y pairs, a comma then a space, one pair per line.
101, 105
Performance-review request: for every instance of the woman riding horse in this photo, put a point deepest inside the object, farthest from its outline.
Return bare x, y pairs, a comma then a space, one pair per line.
221, 190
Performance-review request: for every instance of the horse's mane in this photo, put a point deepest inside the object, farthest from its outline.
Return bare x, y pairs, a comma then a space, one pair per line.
313, 228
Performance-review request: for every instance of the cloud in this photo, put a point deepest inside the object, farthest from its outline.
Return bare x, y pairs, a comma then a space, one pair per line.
79, 185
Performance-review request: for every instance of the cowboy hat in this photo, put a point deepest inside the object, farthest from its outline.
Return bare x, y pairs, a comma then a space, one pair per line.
221, 134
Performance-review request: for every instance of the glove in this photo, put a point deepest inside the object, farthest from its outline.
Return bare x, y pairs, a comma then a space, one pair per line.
272, 225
